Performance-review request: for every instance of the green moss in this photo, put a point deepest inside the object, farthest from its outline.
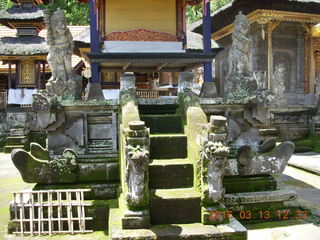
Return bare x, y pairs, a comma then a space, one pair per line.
312, 143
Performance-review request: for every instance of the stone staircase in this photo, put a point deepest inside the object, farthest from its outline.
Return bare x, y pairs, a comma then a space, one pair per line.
172, 196
173, 200
18, 139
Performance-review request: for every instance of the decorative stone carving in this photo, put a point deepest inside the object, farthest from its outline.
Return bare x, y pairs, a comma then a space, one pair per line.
45, 170
186, 96
213, 156
63, 85
255, 163
240, 80
136, 144
278, 79
136, 147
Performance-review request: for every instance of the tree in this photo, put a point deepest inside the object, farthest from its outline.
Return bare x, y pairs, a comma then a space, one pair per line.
76, 13
5, 4
194, 13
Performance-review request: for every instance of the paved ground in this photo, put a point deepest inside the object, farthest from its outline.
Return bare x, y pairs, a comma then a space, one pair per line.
309, 161
307, 186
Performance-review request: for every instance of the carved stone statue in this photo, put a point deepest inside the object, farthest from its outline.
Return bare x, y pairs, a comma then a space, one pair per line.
63, 85
239, 52
240, 80
213, 156
60, 42
136, 148
278, 79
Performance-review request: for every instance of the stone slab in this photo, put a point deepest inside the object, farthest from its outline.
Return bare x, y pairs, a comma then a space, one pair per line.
309, 161
194, 231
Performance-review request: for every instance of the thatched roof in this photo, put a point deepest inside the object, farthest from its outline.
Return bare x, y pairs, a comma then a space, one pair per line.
23, 46
226, 15
21, 12
195, 40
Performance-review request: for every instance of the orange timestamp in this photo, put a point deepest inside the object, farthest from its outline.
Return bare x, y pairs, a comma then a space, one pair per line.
280, 214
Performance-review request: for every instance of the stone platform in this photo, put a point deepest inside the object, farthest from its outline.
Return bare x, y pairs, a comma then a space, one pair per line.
194, 231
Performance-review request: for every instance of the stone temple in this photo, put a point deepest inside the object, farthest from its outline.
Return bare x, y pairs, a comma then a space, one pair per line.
162, 160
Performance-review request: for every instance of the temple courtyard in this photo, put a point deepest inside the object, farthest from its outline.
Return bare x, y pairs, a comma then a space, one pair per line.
300, 180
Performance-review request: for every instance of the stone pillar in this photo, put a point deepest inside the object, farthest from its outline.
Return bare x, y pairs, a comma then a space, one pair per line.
94, 90
213, 155
127, 82
207, 39
135, 196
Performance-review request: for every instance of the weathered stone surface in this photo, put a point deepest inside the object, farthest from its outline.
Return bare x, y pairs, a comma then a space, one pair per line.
260, 197
208, 90
94, 91
39, 152
58, 170
268, 145
253, 163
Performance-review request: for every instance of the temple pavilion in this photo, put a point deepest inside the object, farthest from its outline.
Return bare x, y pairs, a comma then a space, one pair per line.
282, 36
145, 37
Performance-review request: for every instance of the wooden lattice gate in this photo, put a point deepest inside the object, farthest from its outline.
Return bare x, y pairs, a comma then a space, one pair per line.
50, 212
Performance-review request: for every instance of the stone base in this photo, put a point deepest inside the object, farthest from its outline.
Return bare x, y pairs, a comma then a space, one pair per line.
98, 190
261, 206
94, 92
208, 90
136, 219
215, 214
237, 184
194, 231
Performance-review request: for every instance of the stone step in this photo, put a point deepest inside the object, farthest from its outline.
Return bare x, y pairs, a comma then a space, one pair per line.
194, 231
236, 184
16, 140
99, 149
9, 148
173, 173
98, 152
101, 146
167, 123
269, 132
168, 146
170, 206
158, 109
99, 156
97, 160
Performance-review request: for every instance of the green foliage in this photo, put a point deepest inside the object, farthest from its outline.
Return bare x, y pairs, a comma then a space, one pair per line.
5, 4
194, 13
312, 143
76, 13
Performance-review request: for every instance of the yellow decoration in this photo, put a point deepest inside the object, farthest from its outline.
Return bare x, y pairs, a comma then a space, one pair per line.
315, 30
27, 72
156, 15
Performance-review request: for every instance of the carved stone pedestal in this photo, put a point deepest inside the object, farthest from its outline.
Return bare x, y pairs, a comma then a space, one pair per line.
136, 219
